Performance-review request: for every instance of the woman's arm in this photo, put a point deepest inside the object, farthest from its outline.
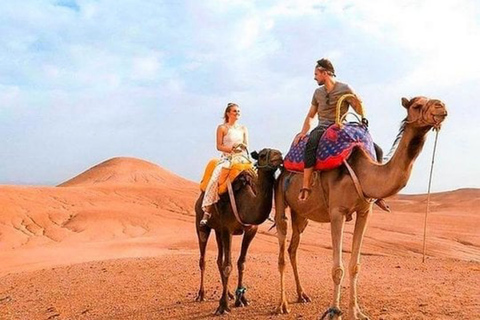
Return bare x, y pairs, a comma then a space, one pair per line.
245, 137
220, 134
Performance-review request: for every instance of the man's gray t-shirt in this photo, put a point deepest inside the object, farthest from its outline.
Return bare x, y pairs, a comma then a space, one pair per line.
326, 103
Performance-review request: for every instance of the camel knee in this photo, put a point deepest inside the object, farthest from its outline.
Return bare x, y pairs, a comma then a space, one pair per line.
290, 251
227, 270
241, 265
337, 275
354, 269
281, 226
292, 248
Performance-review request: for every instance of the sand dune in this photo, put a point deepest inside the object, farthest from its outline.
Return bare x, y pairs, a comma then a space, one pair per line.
126, 208
128, 171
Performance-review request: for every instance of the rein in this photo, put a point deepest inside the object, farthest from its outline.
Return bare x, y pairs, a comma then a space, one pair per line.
234, 205
428, 197
232, 195
357, 184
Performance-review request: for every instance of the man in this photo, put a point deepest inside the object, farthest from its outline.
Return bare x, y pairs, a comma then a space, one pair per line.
324, 103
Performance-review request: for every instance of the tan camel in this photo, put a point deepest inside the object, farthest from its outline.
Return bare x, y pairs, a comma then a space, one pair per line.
334, 199
253, 197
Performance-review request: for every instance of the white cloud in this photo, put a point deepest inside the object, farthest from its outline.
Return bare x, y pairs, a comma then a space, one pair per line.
439, 36
146, 67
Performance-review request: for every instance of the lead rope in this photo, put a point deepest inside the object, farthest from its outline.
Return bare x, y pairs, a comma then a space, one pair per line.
428, 197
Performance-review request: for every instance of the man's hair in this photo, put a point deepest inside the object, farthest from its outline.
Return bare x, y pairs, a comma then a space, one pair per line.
325, 64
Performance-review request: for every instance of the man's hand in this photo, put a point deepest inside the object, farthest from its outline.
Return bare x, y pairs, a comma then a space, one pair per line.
298, 137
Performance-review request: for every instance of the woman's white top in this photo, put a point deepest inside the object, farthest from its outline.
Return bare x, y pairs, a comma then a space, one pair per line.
233, 136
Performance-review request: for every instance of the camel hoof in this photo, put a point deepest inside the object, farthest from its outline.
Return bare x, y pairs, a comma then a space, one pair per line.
241, 302
200, 296
283, 308
333, 313
303, 298
358, 315
222, 310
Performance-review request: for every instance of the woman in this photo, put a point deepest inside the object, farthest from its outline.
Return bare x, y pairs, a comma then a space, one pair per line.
232, 140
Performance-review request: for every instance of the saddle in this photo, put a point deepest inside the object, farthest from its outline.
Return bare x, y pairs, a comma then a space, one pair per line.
228, 173
335, 146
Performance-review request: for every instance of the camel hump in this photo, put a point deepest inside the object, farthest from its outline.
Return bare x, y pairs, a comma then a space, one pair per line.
229, 172
335, 145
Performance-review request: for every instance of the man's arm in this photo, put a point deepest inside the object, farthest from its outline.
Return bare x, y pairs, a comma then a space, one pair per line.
356, 104
306, 124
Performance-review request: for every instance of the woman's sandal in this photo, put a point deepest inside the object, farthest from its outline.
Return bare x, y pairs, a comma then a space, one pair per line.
304, 194
206, 216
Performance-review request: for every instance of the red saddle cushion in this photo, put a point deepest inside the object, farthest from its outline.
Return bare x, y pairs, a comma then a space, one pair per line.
335, 145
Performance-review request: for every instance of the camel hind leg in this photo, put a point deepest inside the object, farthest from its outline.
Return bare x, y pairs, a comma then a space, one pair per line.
298, 226
240, 300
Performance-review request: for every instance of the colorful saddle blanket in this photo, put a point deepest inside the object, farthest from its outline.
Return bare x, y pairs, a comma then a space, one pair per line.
227, 173
336, 144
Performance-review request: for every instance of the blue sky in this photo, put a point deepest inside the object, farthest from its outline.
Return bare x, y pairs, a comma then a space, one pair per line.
85, 81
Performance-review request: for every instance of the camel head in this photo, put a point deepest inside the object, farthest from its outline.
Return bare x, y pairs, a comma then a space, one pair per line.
268, 159
424, 112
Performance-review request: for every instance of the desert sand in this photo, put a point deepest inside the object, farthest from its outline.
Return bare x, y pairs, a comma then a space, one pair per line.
118, 242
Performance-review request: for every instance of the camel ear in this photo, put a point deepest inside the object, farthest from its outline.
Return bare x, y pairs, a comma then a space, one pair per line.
254, 155
405, 103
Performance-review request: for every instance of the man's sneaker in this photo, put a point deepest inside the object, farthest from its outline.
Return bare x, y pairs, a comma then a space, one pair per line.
383, 205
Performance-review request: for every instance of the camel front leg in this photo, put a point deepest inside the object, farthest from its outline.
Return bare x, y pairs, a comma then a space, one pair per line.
226, 269
240, 300
281, 224
354, 311
298, 226
203, 234
337, 223
218, 235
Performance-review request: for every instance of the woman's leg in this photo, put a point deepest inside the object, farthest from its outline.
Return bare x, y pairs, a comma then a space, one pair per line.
211, 194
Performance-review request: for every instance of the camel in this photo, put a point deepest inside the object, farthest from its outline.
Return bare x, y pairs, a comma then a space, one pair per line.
335, 198
253, 197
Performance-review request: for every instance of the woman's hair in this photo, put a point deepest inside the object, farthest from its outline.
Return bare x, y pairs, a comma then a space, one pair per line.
227, 110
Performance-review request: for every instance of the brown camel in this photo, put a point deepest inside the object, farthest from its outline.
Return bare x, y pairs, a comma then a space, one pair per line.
253, 198
335, 198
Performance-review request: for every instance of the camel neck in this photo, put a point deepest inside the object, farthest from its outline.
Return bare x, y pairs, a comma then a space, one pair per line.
256, 207
384, 180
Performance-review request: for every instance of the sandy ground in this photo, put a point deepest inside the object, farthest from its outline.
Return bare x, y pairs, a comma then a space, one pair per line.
118, 242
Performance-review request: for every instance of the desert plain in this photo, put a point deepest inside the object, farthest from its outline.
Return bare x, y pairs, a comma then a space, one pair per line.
118, 241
